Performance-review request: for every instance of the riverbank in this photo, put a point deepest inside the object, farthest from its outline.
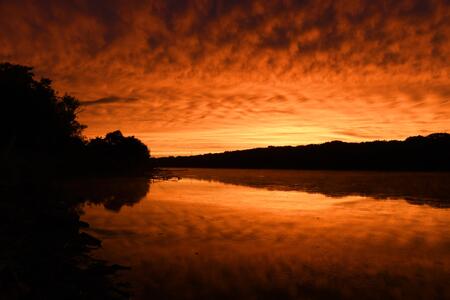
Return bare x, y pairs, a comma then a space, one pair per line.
45, 254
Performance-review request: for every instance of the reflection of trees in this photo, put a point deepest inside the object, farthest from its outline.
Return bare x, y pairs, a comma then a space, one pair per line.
44, 253
416, 188
112, 193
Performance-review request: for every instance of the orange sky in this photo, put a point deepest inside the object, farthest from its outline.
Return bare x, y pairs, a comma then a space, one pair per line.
191, 77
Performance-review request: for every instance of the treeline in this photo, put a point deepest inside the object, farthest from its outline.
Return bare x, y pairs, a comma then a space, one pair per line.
41, 134
41, 145
418, 153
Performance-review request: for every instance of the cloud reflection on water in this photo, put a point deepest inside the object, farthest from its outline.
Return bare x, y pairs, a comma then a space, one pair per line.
198, 239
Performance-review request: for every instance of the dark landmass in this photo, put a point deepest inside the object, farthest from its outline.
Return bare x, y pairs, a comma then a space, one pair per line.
41, 135
45, 253
417, 153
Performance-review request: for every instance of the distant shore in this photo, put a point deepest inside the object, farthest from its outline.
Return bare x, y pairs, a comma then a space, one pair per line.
417, 153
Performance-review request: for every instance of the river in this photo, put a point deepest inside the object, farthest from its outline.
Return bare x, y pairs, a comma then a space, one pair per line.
270, 234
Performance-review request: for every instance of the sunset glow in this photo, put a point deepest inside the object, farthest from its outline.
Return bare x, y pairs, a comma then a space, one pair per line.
190, 77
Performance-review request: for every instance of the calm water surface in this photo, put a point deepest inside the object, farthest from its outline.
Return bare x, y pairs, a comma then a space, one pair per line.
267, 234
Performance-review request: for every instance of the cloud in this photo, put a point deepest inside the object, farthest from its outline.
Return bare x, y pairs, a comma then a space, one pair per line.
109, 100
210, 71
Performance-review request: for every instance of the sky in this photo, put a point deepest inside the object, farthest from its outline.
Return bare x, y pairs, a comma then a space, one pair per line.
189, 77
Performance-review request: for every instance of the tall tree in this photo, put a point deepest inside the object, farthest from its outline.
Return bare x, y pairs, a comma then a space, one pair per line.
32, 116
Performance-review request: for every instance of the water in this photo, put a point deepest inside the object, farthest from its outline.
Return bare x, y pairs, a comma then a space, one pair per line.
267, 234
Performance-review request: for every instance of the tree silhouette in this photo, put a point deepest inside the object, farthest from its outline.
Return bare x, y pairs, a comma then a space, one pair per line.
419, 153
33, 116
41, 132
116, 152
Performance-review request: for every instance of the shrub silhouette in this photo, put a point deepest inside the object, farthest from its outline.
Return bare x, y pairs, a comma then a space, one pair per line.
116, 152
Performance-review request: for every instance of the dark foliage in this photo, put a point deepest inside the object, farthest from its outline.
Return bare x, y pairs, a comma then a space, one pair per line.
33, 116
117, 153
430, 153
42, 136
44, 253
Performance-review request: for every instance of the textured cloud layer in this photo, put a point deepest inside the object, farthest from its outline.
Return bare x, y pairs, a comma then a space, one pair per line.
200, 76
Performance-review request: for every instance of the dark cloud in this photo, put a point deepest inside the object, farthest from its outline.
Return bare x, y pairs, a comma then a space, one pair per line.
109, 100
